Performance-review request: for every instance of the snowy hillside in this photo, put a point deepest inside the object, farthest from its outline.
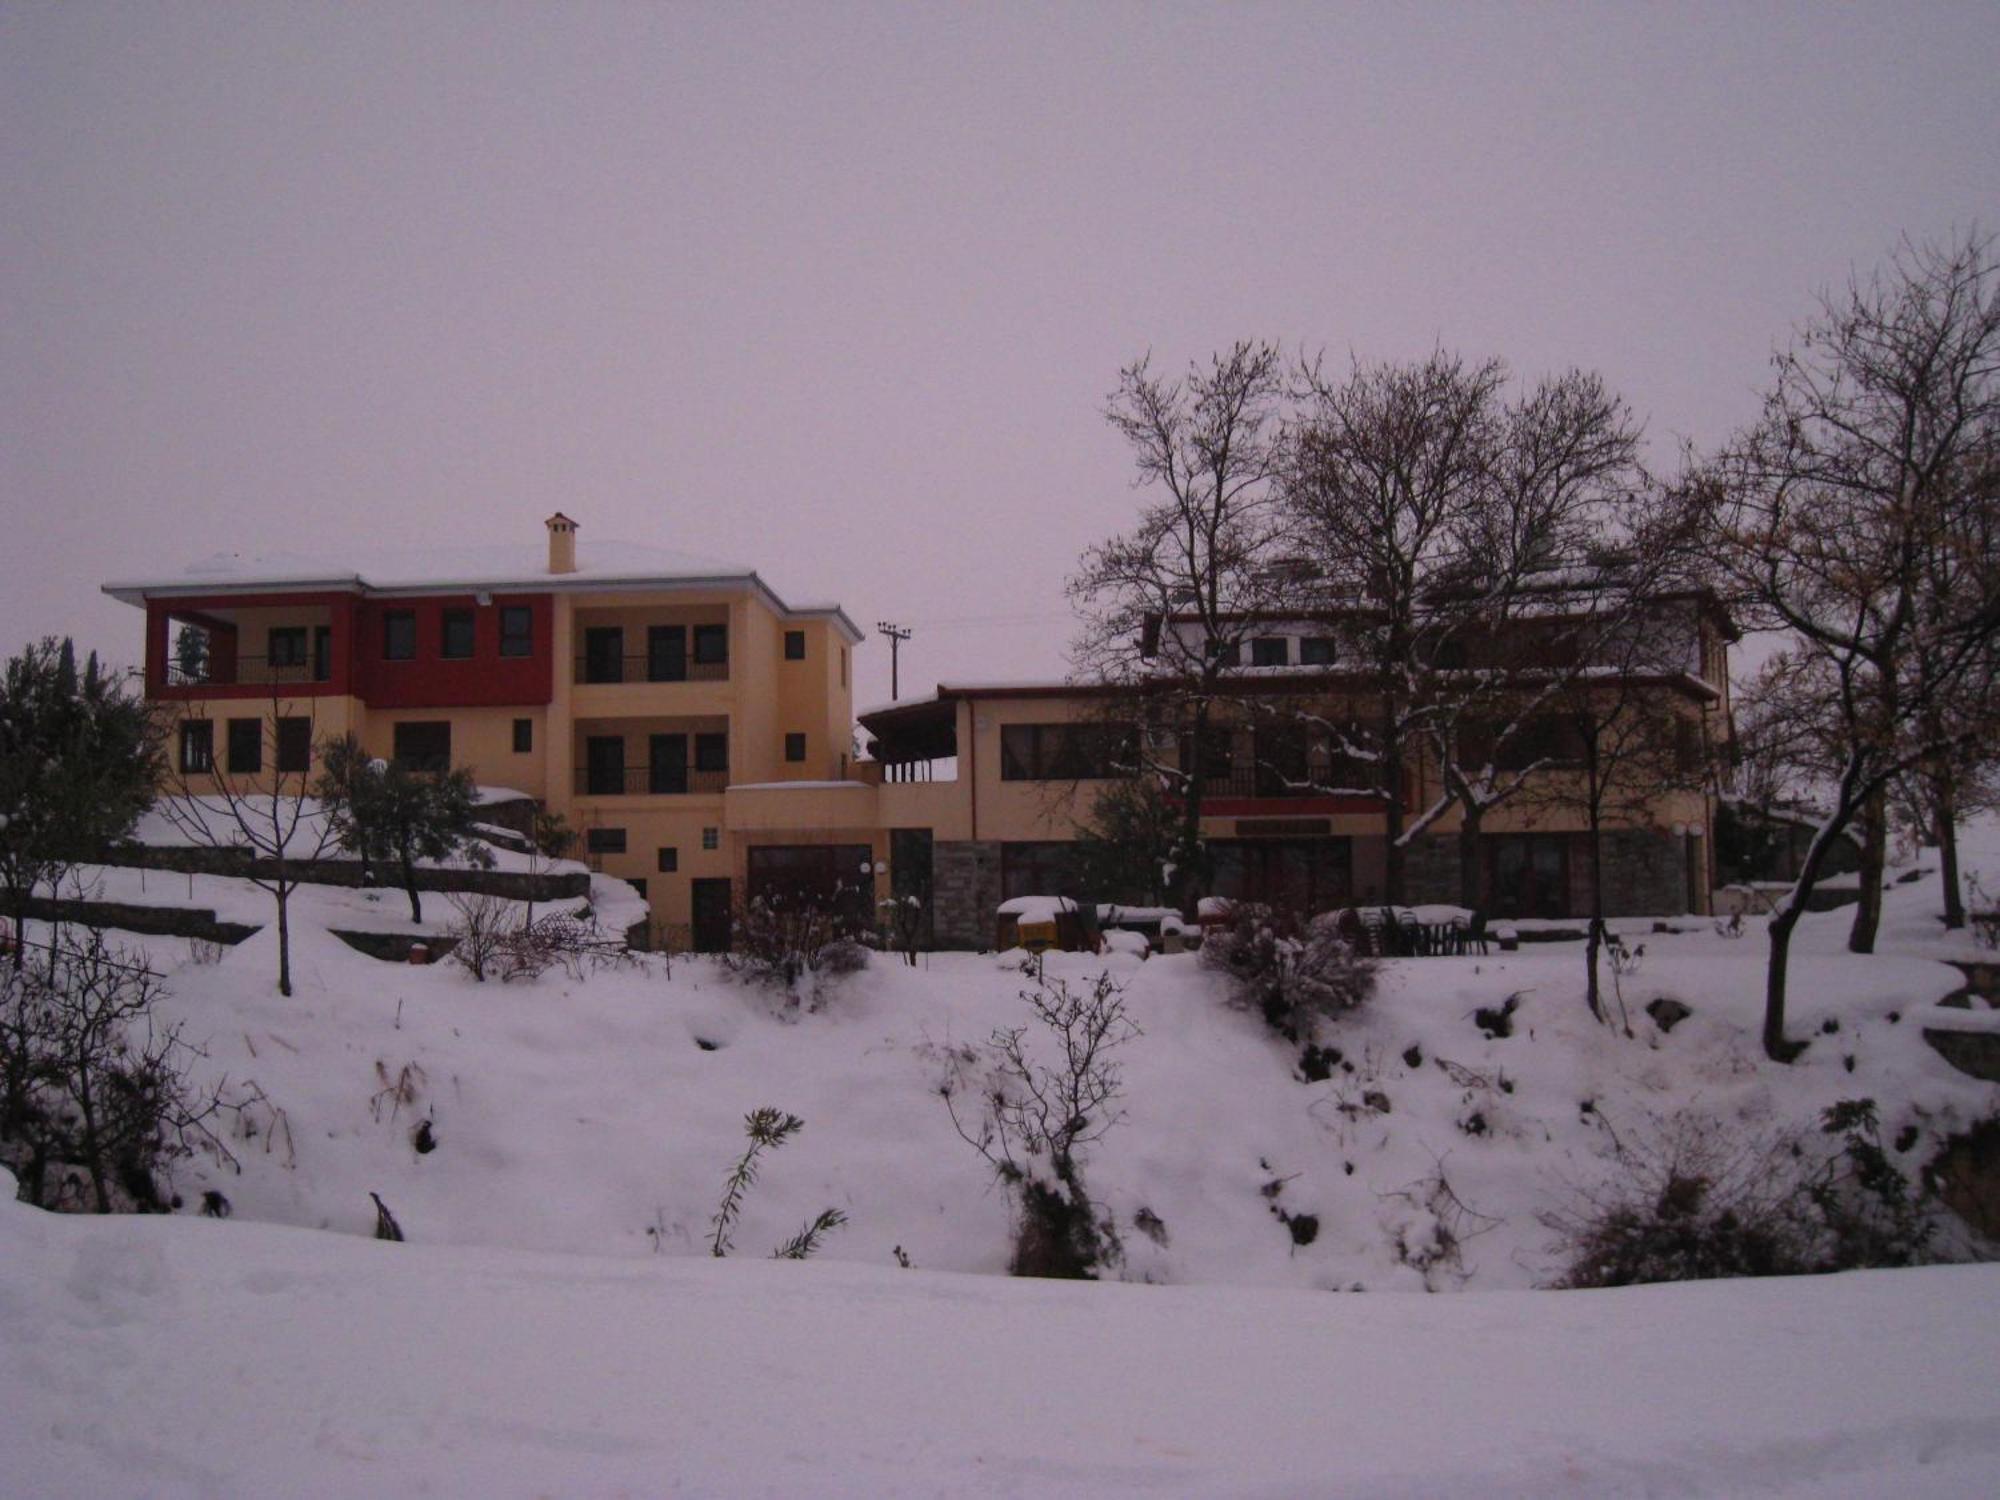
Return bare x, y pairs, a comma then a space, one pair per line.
600, 1116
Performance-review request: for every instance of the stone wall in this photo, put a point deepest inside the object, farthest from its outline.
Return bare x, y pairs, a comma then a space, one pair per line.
1645, 873
965, 878
159, 921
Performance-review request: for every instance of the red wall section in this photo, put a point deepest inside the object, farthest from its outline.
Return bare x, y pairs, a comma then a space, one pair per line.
486, 679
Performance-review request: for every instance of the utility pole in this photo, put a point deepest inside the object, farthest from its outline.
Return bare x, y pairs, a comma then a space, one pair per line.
897, 634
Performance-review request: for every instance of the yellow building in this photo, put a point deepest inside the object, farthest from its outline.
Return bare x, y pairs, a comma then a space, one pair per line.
645, 695
697, 731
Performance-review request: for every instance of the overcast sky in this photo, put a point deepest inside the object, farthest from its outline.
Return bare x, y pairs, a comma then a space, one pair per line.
839, 291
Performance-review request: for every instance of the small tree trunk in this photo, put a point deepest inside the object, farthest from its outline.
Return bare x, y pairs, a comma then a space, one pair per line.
1592, 949
1468, 859
1775, 1046
284, 898
1944, 809
1395, 862
410, 883
1874, 857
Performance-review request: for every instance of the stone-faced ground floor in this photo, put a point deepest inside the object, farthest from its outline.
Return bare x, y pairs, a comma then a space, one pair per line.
1644, 872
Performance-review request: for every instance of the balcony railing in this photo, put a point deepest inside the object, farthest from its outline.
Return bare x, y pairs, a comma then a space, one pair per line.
249, 671
647, 781
1263, 781
642, 668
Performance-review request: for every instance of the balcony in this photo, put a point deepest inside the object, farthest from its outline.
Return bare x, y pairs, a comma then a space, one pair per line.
247, 671
648, 781
604, 668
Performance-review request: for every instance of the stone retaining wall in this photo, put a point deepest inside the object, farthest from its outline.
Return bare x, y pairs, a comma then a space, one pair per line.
158, 921
965, 889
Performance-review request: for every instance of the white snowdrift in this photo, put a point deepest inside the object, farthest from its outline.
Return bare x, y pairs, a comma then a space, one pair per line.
181, 1357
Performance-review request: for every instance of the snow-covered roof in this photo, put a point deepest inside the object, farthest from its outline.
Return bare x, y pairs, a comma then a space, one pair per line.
489, 567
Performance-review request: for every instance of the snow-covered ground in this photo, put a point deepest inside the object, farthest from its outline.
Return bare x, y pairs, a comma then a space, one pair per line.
556, 1324
188, 1358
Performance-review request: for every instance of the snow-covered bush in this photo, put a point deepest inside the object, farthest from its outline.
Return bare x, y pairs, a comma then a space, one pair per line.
1036, 1117
1295, 973
795, 946
1697, 1201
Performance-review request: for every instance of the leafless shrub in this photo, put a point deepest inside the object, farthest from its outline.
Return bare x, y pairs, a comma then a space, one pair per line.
402, 1089
1431, 1237
482, 926
95, 1098
1036, 1117
793, 946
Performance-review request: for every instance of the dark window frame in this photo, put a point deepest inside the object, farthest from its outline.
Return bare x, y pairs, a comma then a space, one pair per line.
399, 635
409, 731
244, 740
795, 747
1064, 751
452, 619
666, 653
604, 841
711, 838
294, 745
669, 859
292, 639
711, 751
1318, 651
517, 630
524, 736
709, 645
1270, 651
197, 747
795, 645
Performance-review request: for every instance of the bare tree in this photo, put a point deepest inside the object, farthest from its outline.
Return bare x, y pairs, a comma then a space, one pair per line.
1872, 460
1447, 525
1167, 607
264, 813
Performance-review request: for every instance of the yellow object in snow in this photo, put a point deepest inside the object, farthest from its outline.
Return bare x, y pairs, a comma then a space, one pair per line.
1036, 936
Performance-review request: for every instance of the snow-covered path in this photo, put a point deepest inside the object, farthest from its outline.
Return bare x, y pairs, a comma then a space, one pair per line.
180, 1357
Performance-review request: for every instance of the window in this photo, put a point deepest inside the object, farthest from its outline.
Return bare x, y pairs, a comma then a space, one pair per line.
399, 635
843, 666
711, 752
670, 860
638, 883
197, 746
603, 654
711, 645
457, 634
295, 739
524, 736
795, 747
710, 839
1041, 869
1226, 653
1268, 651
424, 745
517, 630
285, 646
604, 840
322, 653
246, 746
666, 653
1063, 752
795, 645
1316, 651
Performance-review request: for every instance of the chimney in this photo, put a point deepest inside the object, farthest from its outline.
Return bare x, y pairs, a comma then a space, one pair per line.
562, 543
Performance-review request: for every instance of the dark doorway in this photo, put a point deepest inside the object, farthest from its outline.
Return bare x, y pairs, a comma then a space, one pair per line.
604, 765
910, 854
667, 767
1299, 875
1529, 875
604, 654
666, 653
711, 916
